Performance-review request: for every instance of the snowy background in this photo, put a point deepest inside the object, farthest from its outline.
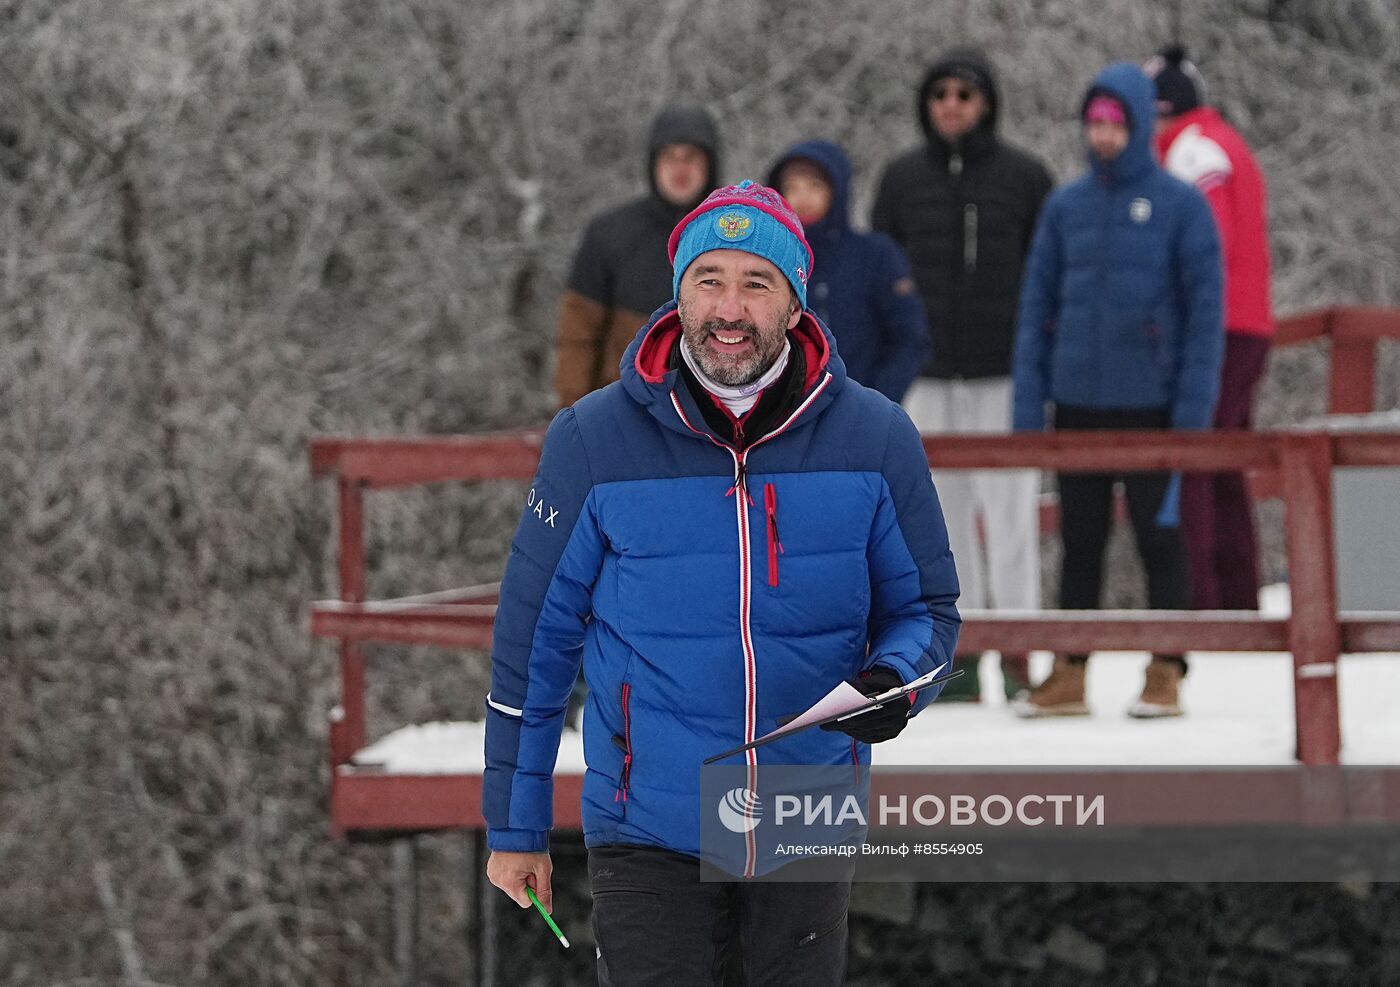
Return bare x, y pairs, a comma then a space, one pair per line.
227, 226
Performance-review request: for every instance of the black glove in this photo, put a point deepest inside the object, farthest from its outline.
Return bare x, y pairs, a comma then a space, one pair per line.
883, 723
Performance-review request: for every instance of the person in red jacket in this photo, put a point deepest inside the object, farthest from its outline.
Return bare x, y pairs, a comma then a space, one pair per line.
1196, 145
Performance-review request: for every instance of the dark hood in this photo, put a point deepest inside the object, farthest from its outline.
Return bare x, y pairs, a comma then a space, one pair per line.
834, 163
684, 124
1128, 84
971, 65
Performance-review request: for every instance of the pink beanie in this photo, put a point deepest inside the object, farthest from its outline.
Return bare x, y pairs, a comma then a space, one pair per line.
1104, 109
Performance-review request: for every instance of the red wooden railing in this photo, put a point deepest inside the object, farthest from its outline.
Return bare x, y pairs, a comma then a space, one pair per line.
1354, 332
1298, 466
1315, 632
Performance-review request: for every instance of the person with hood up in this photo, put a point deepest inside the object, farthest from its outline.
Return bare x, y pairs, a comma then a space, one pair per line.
963, 205
1120, 328
620, 273
860, 285
719, 539
1196, 145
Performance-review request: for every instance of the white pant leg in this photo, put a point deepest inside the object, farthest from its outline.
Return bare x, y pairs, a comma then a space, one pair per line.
932, 406
1010, 504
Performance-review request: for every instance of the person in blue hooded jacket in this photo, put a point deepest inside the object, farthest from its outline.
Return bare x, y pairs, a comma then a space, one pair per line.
861, 286
1120, 327
718, 538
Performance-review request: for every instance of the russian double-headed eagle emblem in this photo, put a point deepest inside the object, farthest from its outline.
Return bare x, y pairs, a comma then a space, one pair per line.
733, 225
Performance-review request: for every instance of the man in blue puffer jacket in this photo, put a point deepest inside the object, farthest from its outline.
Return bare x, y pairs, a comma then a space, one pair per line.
1120, 327
861, 286
650, 552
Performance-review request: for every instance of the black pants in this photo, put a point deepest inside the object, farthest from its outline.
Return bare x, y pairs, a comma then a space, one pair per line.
1086, 515
657, 924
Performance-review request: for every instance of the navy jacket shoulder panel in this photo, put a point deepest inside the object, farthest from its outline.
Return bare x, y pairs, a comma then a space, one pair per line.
624, 444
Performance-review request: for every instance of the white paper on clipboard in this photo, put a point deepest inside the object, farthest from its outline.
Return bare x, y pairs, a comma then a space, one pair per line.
845, 698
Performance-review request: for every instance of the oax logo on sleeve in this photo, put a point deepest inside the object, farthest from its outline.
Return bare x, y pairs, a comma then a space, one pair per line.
535, 505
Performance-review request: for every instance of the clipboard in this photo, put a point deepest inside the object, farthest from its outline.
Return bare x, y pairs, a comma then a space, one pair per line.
919, 684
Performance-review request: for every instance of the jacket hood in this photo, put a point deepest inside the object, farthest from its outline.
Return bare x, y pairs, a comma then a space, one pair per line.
1173, 126
684, 124
833, 162
969, 64
1128, 84
649, 379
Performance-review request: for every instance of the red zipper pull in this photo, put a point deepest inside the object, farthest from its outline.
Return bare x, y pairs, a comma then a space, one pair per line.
775, 544
741, 482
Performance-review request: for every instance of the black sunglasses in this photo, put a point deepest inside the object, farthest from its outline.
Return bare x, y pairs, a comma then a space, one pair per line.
963, 93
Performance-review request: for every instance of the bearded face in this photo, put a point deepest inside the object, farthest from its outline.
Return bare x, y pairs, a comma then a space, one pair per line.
735, 310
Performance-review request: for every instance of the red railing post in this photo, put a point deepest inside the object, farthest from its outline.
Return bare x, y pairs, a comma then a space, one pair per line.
348, 730
1313, 630
1352, 379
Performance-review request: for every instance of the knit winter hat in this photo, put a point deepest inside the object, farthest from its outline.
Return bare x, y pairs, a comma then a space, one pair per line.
1105, 109
748, 217
1180, 86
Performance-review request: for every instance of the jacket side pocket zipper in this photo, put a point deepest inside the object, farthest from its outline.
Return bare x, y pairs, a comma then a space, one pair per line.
624, 742
775, 546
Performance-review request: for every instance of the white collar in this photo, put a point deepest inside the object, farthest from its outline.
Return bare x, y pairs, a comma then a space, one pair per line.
743, 397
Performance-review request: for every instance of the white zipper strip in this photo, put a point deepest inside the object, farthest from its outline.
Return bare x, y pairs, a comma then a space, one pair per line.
741, 513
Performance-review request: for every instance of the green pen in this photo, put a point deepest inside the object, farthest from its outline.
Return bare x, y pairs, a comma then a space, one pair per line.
562, 938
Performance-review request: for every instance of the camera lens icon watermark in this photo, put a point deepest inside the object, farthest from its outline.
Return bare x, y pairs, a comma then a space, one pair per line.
740, 810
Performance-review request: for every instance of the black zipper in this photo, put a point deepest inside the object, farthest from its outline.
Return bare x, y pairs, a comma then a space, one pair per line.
624, 783
970, 238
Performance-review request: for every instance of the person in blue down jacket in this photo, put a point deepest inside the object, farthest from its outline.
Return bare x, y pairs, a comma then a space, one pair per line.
1120, 327
861, 286
720, 538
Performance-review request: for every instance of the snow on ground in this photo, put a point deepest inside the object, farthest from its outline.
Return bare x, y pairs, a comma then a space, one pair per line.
1239, 712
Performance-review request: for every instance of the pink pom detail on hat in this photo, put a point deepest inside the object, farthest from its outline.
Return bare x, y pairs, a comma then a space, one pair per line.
1104, 109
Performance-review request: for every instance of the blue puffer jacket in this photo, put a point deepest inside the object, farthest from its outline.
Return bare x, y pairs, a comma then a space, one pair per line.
861, 284
696, 627
1122, 298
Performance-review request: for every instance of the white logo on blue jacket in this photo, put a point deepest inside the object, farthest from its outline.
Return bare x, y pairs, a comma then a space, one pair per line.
538, 507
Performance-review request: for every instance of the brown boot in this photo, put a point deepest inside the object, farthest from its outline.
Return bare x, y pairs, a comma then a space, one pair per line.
1161, 694
1061, 694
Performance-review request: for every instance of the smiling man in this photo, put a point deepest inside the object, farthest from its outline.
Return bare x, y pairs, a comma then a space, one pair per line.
734, 338
697, 624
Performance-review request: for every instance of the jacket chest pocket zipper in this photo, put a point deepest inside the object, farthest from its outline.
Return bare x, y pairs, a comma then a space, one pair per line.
775, 546
970, 237
624, 743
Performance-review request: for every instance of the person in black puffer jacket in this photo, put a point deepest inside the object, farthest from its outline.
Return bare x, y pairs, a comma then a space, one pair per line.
963, 204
